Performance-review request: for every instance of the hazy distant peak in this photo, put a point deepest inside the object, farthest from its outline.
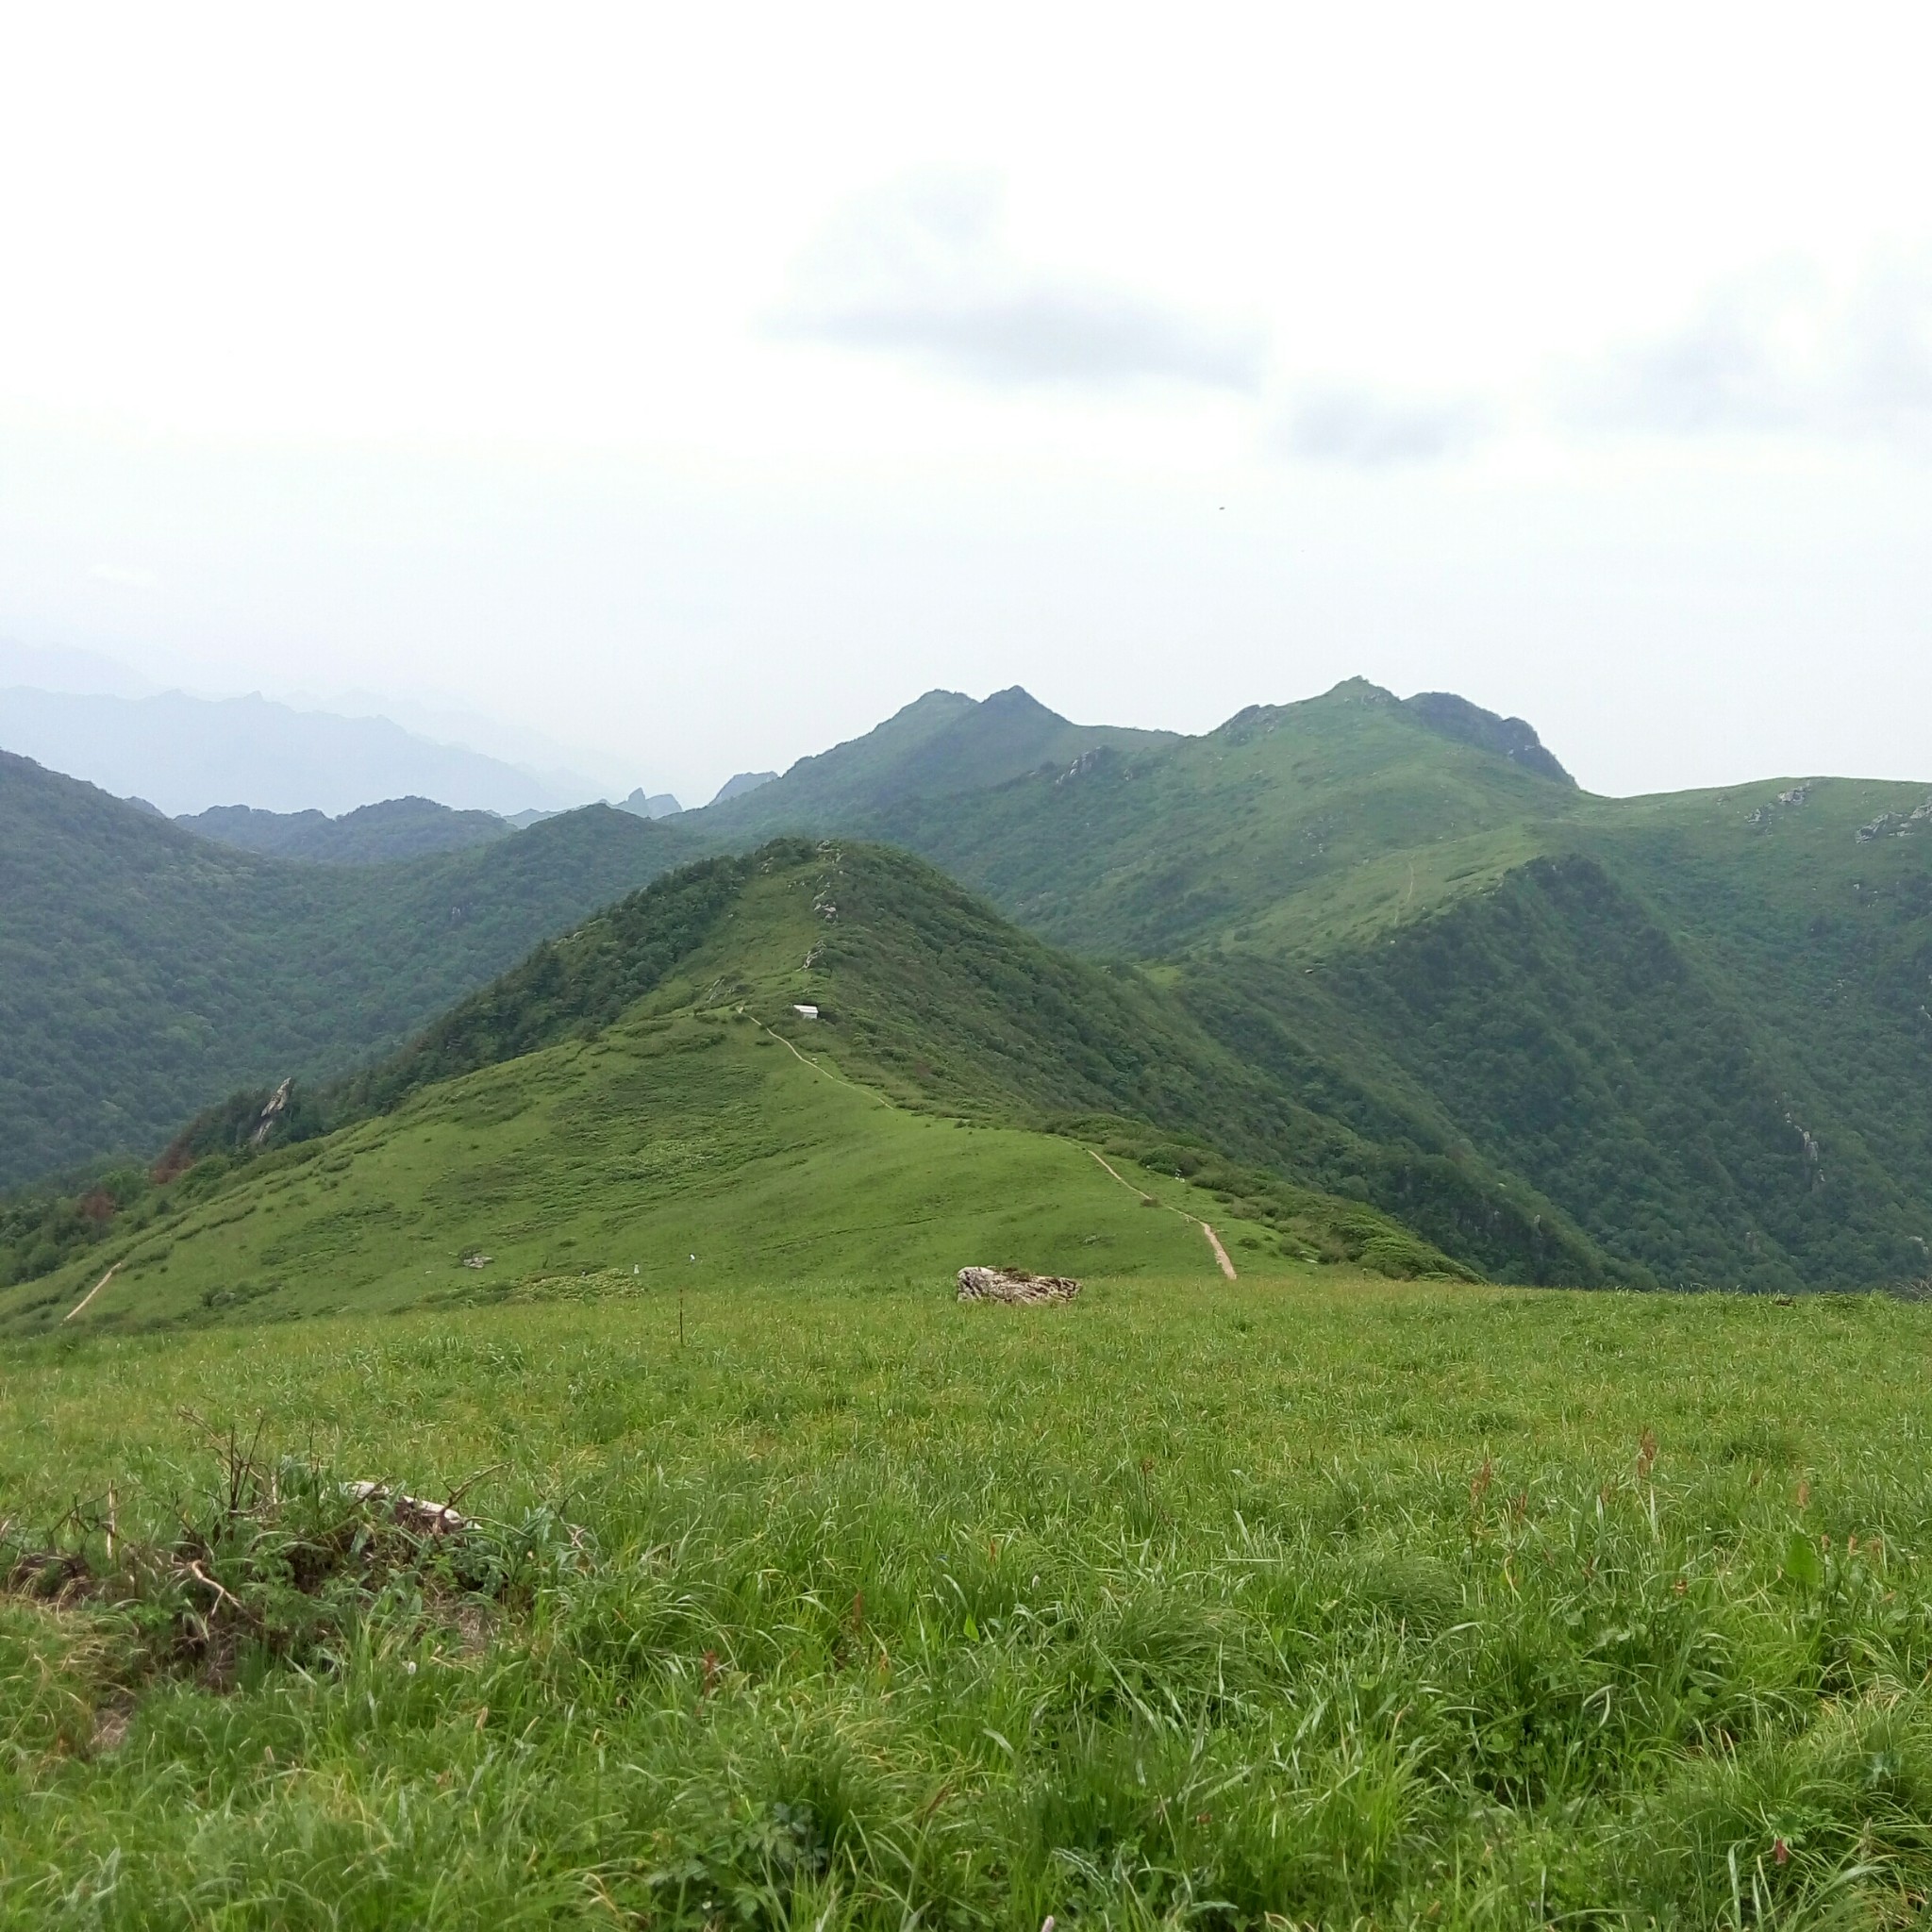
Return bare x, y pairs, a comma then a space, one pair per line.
1441, 714
741, 782
659, 805
370, 835
1016, 701
942, 744
76, 673
1350, 690
935, 706
1515, 739
187, 753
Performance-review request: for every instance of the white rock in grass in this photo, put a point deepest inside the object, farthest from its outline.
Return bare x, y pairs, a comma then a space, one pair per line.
1015, 1285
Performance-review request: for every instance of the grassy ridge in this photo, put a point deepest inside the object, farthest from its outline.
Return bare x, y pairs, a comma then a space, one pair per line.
926, 999
944, 1002
1300, 824
616, 1163
681, 1106
1338, 1600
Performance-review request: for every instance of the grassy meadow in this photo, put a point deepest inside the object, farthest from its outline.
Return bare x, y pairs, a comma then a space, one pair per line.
821, 1601
619, 1160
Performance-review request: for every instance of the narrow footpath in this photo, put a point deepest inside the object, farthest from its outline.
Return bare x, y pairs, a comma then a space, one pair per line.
91, 1293
1213, 1239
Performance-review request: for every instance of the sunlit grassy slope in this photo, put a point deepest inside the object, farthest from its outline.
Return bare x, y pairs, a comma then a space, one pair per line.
619, 1161
642, 1102
1296, 1601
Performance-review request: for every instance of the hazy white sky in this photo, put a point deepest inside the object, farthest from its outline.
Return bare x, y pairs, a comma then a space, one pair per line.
695, 386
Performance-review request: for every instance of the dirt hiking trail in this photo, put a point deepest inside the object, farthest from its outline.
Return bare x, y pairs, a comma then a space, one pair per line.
1213, 1239
91, 1293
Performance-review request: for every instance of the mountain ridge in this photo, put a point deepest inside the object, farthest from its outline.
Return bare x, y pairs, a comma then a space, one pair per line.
1691, 1028
371, 835
187, 753
942, 744
1295, 847
926, 1003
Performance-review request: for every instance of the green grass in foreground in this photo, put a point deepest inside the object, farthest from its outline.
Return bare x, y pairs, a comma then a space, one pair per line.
1325, 1598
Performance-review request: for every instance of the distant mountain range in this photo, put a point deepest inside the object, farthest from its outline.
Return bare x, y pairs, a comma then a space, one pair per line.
185, 755
371, 835
656, 805
639, 803
61, 668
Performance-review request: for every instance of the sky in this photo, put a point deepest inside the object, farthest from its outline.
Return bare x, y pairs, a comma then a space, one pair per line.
671, 392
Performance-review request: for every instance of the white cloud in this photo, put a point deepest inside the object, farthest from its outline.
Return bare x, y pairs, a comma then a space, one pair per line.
125, 576
1781, 352
923, 268
1372, 428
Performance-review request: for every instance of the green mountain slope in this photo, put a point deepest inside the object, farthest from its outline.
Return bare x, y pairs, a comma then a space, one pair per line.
143, 971
925, 994
372, 834
1380, 946
1288, 825
667, 1139
645, 1090
941, 746
1699, 1024
1514, 738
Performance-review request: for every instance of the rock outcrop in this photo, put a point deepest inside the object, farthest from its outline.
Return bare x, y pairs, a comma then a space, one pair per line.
1015, 1285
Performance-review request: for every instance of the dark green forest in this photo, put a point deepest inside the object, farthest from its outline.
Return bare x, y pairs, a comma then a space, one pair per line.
1553, 1025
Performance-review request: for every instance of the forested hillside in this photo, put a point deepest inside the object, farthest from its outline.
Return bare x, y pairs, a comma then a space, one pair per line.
145, 971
